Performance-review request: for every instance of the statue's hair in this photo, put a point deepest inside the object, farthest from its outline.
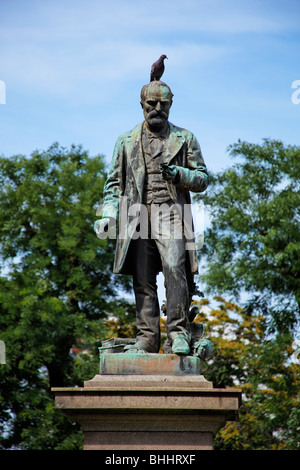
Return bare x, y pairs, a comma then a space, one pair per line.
152, 86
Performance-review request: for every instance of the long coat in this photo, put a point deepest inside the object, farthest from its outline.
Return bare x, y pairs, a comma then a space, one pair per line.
127, 178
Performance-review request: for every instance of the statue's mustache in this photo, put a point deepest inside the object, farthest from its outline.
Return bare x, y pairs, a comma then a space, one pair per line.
155, 113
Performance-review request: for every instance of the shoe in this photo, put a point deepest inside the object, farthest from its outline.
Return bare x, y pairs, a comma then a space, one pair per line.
180, 345
139, 346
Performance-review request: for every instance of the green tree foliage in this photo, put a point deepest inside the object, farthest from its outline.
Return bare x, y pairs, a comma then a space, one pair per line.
263, 367
56, 290
253, 243
251, 255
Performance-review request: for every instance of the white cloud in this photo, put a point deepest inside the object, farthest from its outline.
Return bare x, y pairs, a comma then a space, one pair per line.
38, 62
57, 43
77, 47
62, 54
116, 17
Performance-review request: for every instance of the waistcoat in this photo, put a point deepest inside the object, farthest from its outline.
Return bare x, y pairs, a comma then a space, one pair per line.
155, 190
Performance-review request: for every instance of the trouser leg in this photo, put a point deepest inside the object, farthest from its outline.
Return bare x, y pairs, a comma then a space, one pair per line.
171, 244
165, 247
146, 268
177, 292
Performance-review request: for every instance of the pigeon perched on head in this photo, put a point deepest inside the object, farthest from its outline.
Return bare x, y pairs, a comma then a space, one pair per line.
158, 68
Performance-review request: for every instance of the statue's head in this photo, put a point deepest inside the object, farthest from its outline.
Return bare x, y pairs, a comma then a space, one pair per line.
156, 101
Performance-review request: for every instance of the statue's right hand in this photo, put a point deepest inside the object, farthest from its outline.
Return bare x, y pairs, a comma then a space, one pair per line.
101, 226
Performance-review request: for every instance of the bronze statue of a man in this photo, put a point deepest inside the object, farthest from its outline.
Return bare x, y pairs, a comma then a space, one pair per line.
155, 165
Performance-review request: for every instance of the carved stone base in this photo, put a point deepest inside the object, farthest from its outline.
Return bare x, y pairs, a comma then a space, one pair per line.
148, 412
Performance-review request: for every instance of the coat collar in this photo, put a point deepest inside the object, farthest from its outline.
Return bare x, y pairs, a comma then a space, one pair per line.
134, 140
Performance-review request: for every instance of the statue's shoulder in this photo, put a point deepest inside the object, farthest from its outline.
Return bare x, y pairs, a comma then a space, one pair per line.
133, 132
181, 131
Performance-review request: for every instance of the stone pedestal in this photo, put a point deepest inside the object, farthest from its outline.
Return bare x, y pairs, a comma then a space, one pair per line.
168, 407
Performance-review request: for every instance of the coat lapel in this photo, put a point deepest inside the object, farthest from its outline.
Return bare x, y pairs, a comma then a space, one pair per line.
175, 143
136, 157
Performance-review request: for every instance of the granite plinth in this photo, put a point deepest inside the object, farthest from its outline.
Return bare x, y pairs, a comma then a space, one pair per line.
148, 412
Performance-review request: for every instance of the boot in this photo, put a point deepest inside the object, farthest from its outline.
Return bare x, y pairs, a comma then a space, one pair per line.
139, 346
180, 344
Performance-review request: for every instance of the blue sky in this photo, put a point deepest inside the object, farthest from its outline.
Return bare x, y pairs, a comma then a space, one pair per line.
74, 69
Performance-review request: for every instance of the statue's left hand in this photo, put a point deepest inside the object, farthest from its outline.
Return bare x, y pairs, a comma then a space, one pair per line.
169, 172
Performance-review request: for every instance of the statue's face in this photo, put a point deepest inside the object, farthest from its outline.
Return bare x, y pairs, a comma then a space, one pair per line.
156, 106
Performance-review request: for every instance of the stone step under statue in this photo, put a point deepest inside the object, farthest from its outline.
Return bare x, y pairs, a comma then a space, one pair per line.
148, 412
147, 401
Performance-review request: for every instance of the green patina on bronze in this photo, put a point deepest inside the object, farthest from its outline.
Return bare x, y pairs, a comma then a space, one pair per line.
136, 363
156, 163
